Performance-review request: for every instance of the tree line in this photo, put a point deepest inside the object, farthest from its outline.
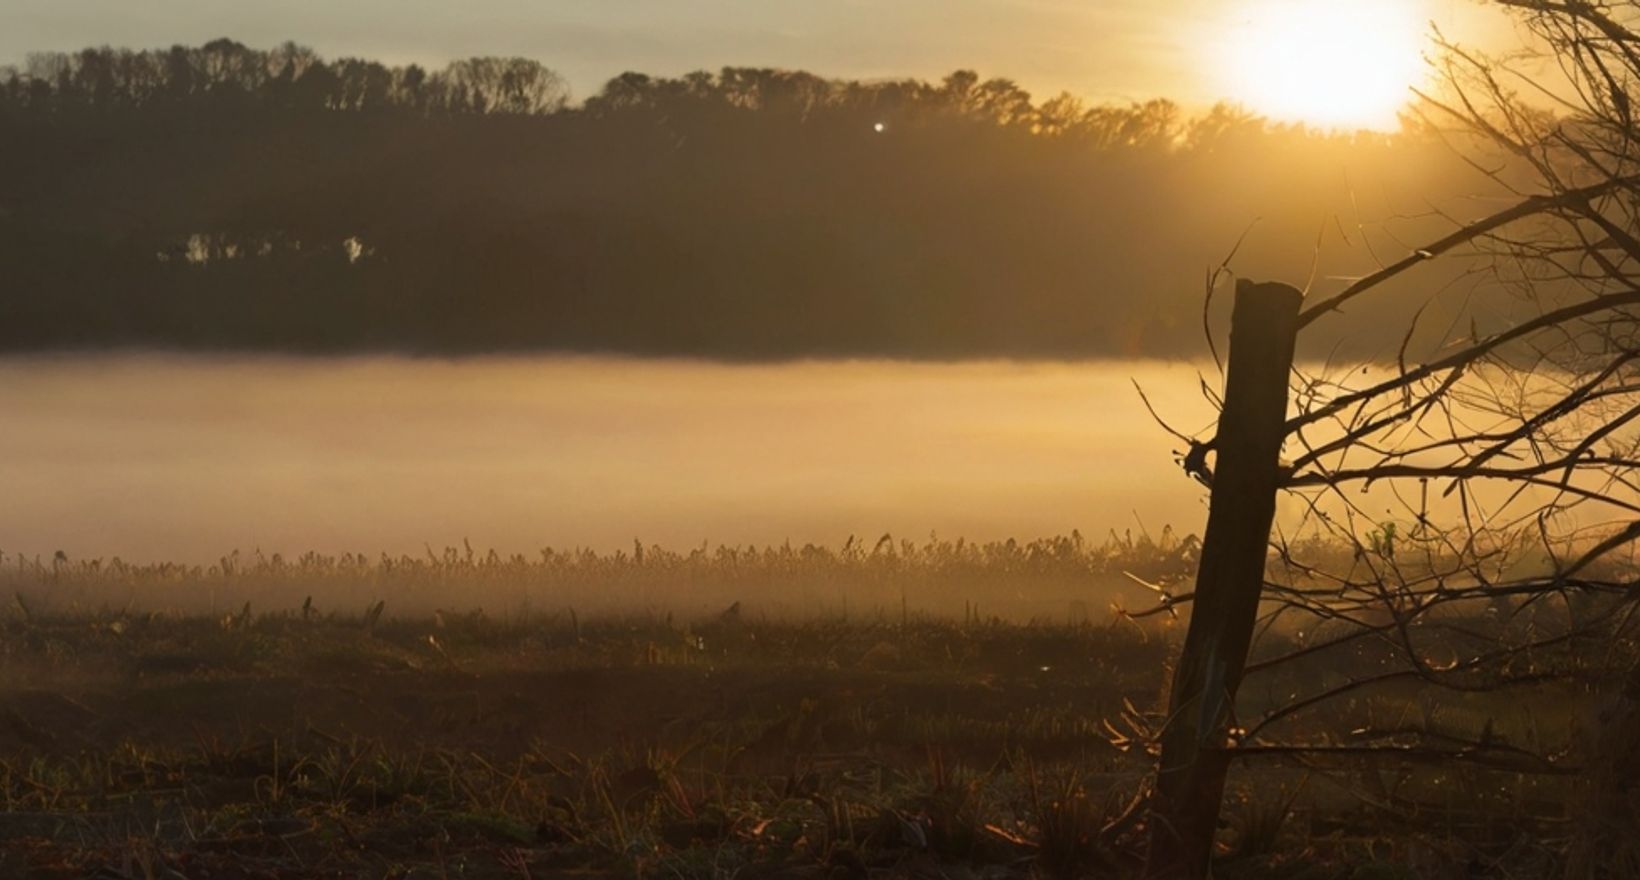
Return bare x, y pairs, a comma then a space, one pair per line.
228, 197
226, 73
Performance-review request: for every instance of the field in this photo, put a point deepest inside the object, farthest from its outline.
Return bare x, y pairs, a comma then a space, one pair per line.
471, 716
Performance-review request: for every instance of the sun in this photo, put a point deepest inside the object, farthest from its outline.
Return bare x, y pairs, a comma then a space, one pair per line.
1327, 63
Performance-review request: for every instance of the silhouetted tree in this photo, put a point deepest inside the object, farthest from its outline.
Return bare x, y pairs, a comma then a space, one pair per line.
1467, 514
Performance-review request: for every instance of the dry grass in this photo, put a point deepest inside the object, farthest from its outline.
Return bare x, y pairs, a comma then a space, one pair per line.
299, 740
1061, 579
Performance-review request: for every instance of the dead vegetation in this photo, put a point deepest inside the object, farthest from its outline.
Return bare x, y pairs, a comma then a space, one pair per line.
297, 742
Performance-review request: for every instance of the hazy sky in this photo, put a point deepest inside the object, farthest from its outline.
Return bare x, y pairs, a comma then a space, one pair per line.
1099, 49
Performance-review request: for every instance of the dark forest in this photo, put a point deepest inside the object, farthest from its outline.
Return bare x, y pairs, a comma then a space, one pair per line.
231, 198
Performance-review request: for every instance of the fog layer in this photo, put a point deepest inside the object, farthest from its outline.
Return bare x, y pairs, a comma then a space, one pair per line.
187, 458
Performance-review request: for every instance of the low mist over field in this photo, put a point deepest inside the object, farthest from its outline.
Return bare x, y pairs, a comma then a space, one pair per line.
187, 458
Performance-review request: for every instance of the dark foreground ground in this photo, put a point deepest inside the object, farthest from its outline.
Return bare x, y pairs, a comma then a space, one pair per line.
288, 746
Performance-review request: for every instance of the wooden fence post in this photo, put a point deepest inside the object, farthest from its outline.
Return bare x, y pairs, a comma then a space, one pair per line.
1190, 776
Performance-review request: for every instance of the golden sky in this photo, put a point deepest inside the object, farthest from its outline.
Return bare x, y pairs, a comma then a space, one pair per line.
1194, 51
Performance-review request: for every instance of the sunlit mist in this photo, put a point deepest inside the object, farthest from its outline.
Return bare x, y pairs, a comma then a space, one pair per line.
161, 458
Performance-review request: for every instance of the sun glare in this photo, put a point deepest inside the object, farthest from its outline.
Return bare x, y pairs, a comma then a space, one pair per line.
1327, 63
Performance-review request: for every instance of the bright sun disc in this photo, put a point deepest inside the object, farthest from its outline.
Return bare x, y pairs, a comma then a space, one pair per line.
1327, 63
